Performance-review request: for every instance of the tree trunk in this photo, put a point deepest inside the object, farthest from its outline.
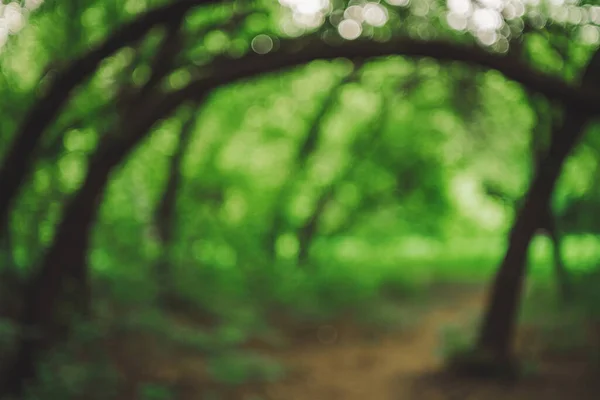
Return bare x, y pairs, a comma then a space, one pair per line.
306, 149
19, 158
308, 230
500, 317
541, 135
59, 289
561, 274
165, 213
58, 292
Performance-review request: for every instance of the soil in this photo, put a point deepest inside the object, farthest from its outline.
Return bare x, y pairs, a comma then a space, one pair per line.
342, 360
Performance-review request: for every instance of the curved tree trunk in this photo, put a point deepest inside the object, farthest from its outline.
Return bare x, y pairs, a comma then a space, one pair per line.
58, 292
495, 338
500, 317
17, 163
59, 289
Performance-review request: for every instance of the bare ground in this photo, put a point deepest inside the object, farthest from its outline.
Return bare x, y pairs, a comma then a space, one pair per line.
344, 361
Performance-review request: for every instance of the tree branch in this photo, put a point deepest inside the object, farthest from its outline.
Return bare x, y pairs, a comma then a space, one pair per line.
299, 51
17, 163
166, 209
306, 149
292, 52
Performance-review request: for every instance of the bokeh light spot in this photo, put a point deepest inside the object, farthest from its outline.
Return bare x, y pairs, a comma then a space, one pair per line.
262, 44
401, 3
487, 19
462, 7
375, 14
306, 6
590, 34
349, 29
487, 37
355, 12
456, 21
13, 17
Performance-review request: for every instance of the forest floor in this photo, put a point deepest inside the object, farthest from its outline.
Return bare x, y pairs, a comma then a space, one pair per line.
348, 361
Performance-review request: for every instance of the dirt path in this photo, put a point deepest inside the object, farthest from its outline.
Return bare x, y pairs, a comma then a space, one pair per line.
360, 369
343, 362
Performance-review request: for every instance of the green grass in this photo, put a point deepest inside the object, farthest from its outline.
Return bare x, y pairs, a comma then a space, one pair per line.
349, 278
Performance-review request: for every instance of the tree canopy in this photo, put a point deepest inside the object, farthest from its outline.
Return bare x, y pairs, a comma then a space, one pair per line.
239, 158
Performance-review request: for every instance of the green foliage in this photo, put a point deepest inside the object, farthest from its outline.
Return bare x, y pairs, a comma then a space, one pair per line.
559, 328
239, 368
8, 334
457, 339
325, 189
63, 376
588, 292
151, 391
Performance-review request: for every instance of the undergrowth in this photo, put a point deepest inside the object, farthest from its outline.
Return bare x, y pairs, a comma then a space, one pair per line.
243, 301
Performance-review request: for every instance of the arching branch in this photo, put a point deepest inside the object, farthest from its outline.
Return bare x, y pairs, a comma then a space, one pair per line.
17, 163
292, 52
300, 51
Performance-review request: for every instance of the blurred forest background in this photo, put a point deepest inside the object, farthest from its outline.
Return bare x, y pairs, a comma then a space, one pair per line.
302, 199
